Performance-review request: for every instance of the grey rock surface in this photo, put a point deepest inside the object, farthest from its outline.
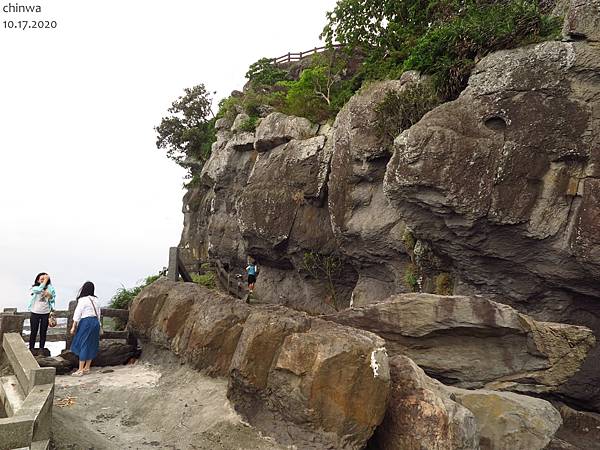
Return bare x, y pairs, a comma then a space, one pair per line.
473, 342
504, 183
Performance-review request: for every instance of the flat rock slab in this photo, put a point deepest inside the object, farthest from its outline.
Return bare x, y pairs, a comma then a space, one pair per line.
474, 342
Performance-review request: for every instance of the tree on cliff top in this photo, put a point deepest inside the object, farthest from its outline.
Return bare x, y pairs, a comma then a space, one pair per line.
189, 132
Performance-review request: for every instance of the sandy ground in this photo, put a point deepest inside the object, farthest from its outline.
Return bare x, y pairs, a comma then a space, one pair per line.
149, 405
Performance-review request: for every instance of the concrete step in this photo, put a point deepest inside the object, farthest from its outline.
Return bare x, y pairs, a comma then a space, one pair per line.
11, 394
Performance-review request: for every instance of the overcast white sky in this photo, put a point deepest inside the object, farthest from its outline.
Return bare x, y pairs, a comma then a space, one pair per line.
85, 194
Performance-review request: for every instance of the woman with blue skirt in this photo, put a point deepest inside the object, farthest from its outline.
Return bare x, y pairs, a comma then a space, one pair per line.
86, 328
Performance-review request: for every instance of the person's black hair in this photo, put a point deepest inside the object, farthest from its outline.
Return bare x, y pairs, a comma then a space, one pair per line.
37, 280
86, 290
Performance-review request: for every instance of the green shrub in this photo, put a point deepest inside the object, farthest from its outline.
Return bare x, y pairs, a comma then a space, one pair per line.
401, 110
443, 38
228, 107
411, 277
321, 90
444, 284
207, 279
409, 240
249, 124
265, 72
449, 51
123, 298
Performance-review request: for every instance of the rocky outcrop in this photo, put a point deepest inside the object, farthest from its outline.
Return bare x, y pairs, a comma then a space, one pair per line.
304, 380
474, 342
425, 414
421, 415
277, 129
504, 183
269, 204
582, 21
496, 193
367, 229
508, 421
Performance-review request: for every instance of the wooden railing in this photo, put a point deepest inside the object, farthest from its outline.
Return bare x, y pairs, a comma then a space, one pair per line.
290, 57
231, 282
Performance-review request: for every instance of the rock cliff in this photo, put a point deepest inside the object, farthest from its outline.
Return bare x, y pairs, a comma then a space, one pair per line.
498, 192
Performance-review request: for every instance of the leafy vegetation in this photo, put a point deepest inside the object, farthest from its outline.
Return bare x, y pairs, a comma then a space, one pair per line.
123, 298
264, 73
207, 279
324, 267
188, 133
382, 39
411, 277
249, 124
443, 284
401, 110
442, 38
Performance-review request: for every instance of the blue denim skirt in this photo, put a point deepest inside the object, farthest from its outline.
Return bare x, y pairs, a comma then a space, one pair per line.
87, 338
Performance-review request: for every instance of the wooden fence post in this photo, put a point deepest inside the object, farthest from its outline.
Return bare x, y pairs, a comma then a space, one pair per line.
68, 337
172, 273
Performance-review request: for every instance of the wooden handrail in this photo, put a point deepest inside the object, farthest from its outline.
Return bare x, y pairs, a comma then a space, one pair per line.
289, 57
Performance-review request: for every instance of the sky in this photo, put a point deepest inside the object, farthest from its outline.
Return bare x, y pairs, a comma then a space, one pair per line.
84, 193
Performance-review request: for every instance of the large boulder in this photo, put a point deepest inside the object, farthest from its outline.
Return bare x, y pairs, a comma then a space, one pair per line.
421, 415
276, 199
277, 129
199, 325
474, 342
508, 421
307, 381
504, 183
425, 414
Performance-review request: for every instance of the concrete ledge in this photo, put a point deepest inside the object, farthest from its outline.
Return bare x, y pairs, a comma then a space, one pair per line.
15, 432
27, 397
11, 394
20, 359
38, 404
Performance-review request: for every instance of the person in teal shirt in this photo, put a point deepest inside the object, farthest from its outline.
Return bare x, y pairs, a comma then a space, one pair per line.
251, 270
41, 304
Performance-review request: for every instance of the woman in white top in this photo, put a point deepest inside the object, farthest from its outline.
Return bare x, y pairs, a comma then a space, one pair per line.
86, 322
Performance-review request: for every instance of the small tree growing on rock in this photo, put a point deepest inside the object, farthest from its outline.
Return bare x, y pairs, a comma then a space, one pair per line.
327, 267
189, 132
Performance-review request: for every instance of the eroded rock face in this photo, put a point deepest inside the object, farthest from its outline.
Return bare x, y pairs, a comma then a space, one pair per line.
504, 182
473, 342
306, 381
421, 415
368, 230
277, 129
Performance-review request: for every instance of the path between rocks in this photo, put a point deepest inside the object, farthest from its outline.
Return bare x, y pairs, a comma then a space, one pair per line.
146, 405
